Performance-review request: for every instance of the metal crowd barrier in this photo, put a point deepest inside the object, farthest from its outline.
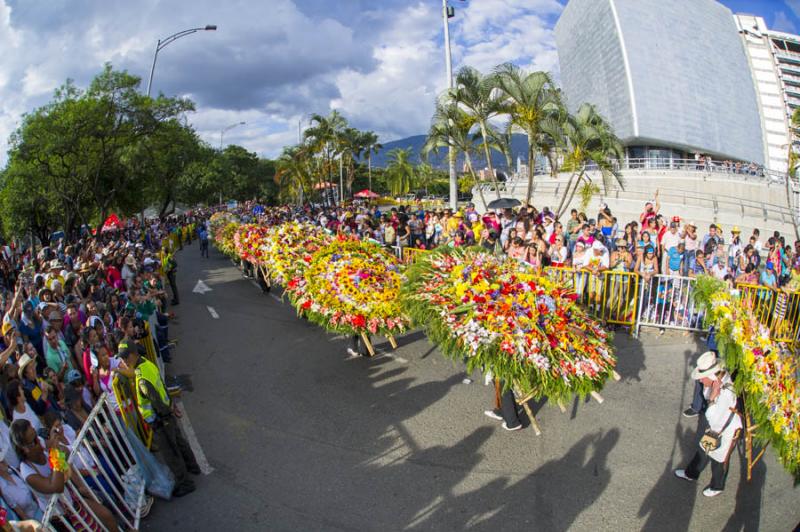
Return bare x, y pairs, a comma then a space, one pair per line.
778, 310
666, 302
611, 296
126, 399
409, 255
102, 464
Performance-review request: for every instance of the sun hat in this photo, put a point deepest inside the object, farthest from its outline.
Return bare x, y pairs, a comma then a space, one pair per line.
24, 360
597, 246
707, 365
130, 261
736, 229
56, 264
7, 327
691, 224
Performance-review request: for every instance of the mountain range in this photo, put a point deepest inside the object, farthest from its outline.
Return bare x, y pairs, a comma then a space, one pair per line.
519, 148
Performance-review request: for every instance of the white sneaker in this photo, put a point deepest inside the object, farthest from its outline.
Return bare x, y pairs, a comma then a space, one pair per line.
352, 352
511, 428
494, 415
708, 492
466, 380
681, 473
488, 378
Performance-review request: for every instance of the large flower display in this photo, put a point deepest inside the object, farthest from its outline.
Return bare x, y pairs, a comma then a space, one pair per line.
288, 249
351, 287
765, 372
503, 317
250, 242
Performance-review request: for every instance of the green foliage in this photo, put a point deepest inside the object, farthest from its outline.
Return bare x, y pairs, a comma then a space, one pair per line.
110, 148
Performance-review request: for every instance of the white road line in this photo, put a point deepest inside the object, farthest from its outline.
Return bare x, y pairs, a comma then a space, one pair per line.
212, 312
188, 431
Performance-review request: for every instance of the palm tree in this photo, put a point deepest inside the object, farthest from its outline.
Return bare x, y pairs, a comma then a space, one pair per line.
371, 147
351, 147
585, 139
399, 171
450, 129
530, 98
426, 175
478, 95
323, 138
293, 173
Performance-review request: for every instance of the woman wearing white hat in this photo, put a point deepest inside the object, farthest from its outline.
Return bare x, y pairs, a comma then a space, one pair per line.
724, 424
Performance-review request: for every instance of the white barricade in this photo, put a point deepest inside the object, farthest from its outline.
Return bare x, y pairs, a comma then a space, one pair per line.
666, 302
102, 452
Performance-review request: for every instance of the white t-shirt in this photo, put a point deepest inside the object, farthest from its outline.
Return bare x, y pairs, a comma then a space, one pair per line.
719, 271
590, 259
6, 448
17, 494
670, 240
28, 414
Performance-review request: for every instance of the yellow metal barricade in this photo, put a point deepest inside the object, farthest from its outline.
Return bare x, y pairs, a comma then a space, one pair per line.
149, 345
611, 296
760, 300
411, 254
620, 297
126, 398
786, 319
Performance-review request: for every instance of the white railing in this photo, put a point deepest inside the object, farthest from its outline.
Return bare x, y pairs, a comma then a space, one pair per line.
666, 302
102, 449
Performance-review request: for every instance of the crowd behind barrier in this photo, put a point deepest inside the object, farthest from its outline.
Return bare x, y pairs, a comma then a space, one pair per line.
83, 387
636, 274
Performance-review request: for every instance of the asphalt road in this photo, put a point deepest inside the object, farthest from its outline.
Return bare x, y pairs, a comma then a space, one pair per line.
300, 437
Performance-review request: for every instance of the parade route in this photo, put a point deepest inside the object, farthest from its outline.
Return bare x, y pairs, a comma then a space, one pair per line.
300, 436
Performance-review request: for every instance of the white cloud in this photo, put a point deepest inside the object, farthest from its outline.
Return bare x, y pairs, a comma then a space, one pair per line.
270, 62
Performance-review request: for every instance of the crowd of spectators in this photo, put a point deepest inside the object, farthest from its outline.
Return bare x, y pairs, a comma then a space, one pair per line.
652, 245
72, 312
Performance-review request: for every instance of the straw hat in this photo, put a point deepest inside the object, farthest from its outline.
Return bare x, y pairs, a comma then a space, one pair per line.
24, 360
707, 366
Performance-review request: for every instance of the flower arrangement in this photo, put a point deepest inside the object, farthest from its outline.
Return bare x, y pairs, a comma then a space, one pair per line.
351, 287
250, 242
765, 372
223, 238
288, 249
504, 318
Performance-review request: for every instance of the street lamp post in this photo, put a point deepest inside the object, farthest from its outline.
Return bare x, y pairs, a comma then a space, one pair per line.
225, 129
172, 38
448, 12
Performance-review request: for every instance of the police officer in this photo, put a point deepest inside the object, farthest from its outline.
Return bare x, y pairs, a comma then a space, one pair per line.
156, 408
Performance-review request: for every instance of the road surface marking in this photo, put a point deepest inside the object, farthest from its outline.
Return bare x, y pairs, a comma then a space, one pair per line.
188, 431
201, 287
213, 312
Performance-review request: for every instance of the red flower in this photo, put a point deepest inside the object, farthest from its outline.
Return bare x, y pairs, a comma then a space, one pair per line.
306, 305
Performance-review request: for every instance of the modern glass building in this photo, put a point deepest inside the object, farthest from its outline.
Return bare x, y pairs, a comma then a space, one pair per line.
671, 76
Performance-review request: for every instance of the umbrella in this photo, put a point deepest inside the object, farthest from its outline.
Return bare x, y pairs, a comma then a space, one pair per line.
366, 193
504, 203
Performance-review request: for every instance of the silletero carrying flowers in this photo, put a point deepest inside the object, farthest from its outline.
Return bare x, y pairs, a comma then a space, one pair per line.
504, 318
765, 373
250, 242
288, 250
351, 287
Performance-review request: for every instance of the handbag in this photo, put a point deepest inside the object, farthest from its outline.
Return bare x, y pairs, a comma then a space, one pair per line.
711, 440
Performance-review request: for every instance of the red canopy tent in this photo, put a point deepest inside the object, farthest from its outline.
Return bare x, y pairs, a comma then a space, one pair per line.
366, 194
112, 222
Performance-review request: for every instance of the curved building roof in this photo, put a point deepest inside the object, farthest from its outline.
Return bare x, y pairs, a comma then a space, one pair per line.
664, 72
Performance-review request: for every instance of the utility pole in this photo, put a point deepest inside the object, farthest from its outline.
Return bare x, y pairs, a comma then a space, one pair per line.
448, 12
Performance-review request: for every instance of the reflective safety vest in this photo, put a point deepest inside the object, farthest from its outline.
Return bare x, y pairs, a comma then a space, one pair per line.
147, 371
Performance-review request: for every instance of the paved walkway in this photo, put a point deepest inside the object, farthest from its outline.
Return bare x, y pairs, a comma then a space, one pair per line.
302, 438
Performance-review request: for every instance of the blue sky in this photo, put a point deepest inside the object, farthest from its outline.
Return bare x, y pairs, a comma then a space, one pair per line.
273, 62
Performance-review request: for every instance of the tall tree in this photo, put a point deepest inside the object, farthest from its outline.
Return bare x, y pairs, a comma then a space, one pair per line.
451, 128
585, 140
371, 147
400, 171
530, 99
478, 95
